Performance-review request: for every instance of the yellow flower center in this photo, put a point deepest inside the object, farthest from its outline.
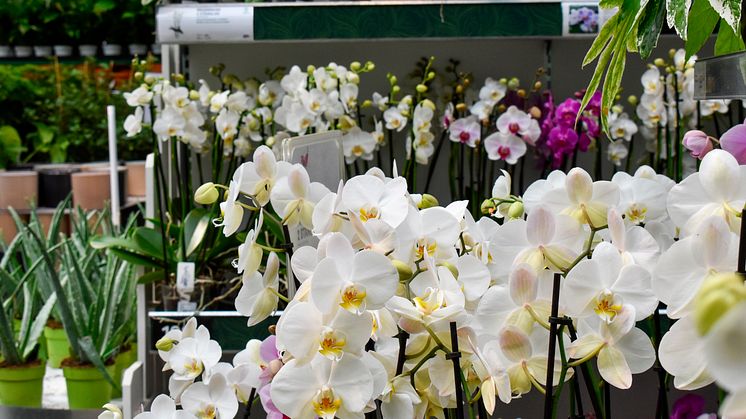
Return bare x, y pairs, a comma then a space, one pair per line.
395, 123
326, 403
353, 299
431, 301
368, 213
331, 344
358, 150
422, 245
636, 213
607, 306
194, 367
207, 412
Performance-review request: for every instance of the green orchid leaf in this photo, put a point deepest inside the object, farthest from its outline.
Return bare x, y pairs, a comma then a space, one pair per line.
149, 242
152, 276
601, 40
195, 227
702, 21
650, 28
727, 41
730, 11
677, 15
37, 327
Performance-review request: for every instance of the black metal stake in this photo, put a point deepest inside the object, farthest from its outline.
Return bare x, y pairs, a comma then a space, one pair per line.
741, 266
454, 356
402, 336
552, 341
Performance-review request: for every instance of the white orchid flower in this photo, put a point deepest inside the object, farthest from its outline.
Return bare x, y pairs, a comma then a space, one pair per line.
525, 356
380, 101
504, 146
520, 303
306, 331
239, 102
169, 123
652, 82
492, 92
354, 281
465, 131
133, 123
324, 80
375, 235
218, 101
641, 199
358, 144
249, 252
398, 397
172, 338
582, 198
113, 412
258, 177
258, 296
293, 197
726, 357
719, 188
421, 120
616, 152
433, 306
164, 407
621, 348
368, 197
226, 124
681, 353
195, 354
348, 96
270, 93
602, 285
635, 244
314, 101
623, 128
295, 81
495, 381
682, 269
481, 110
231, 209
518, 123
322, 388
139, 97
213, 400
543, 240
394, 119
433, 231
242, 378
204, 93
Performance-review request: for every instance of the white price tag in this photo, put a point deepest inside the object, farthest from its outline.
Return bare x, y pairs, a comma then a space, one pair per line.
190, 24
185, 278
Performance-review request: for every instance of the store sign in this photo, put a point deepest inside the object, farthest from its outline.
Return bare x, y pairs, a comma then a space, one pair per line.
193, 24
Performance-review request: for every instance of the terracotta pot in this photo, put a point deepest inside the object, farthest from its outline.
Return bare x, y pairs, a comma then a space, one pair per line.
136, 178
18, 188
8, 227
92, 188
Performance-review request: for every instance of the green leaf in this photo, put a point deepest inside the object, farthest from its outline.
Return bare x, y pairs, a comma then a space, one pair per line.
727, 41
136, 259
649, 28
609, 4
702, 21
152, 276
602, 39
37, 327
102, 6
678, 15
10, 146
92, 355
730, 11
149, 242
195, 227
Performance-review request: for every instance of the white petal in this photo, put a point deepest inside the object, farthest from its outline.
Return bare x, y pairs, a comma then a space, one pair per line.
326, 285
613, 368
540, 226
353, 382
299, 330
725, 349
377, 274
292, 389
681, 353
638, 351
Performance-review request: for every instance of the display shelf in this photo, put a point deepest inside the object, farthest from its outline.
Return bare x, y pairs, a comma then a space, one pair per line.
317, 21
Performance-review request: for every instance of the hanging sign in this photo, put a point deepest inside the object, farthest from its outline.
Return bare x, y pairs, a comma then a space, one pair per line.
205, 23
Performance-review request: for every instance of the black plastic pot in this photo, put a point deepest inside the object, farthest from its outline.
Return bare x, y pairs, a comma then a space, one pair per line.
54, 183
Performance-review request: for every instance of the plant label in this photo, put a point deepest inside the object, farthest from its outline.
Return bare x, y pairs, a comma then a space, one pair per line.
204, 23
185, 279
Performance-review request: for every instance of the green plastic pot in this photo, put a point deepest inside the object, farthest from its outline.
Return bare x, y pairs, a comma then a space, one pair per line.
22, 385
123, 361
58, 347
87, 387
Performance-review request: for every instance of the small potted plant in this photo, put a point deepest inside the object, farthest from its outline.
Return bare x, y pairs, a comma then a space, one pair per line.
140, 17
22, 366
89, 20
96, 307
19, 12
6, 24
115, 31
67, 29
43, 20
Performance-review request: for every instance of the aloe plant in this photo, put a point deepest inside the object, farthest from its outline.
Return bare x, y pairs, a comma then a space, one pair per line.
95, 294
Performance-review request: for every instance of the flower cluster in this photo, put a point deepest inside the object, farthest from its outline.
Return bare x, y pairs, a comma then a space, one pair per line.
585, 18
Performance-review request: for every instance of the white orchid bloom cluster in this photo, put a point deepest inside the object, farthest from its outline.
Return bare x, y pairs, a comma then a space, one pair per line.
666, 94
621, 130
368, 328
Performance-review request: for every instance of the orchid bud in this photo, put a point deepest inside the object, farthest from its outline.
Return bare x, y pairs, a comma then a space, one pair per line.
346, 123
430, 75
459, 89
427, 201
503, 81
421, 88
521, 93
632, 100
395, 89
206, 194
671, 52
353, 78
179, 78
264, 161
487, 207
535, 112
149, 79
164, 344
370, 66
698, 143
272, 329
270, 141
310, 68
393, 80
138, 75
501, 108
461, 107
405, 272
428, 104
537, 85
366, 103
355, 66
719, 293
659, 62
514, 83
193, 95
516, 210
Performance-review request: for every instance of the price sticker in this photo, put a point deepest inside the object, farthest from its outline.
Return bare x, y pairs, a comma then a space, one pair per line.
204, 23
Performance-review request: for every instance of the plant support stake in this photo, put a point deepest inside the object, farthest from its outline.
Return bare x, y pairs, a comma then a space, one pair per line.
552, 341
454, 356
